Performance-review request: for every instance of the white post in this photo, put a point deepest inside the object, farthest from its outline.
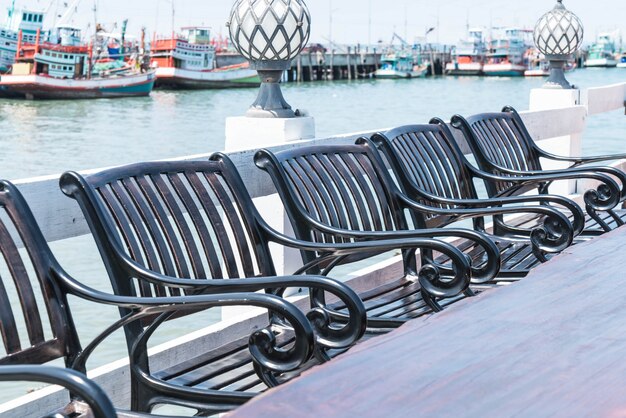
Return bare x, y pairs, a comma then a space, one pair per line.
244, 133
569, 145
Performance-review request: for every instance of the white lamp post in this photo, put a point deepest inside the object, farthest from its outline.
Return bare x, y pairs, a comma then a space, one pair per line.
558, 35
269, 34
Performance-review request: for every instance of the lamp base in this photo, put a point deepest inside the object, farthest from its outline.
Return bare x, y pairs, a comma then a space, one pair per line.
270, 102
557, 77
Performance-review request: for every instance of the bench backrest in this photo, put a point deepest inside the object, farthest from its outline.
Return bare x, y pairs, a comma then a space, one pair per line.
499, 140
336, 186
35, 321
186, 219
428, 164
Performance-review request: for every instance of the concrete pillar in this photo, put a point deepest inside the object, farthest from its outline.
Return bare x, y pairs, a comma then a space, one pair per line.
570, 145
243, 133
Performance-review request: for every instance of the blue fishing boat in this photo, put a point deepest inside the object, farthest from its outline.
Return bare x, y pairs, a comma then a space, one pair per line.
602, 53
400, 65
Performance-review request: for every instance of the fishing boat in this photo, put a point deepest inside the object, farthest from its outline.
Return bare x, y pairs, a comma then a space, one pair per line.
62, 68
602, 53
26, 21
541, 68
400, 65
537, 65
468, 58
187, 61
505, 57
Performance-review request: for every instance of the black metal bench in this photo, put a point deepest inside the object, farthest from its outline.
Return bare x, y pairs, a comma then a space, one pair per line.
503, 147
41, 310
191, 227
338, 193
340, 175
432, 170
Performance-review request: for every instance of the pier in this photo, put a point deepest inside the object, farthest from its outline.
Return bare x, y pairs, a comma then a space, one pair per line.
350, 63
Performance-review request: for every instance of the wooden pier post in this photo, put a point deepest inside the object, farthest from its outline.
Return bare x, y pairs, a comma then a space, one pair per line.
332, 64
432, 62
311, 78
299, 69
349, 64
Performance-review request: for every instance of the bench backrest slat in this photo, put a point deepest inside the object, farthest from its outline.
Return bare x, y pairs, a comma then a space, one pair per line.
338, 186
428, 164
188, 219
36, 325
500, 140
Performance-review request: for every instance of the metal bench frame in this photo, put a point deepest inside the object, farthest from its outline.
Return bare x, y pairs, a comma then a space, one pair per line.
37, 268
312, 182
155, 223
504, 148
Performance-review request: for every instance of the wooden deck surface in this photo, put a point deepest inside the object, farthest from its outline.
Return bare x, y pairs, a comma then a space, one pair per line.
553, 345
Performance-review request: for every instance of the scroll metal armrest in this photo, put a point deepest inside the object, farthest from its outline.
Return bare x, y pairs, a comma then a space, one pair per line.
604, 198
326, 336
580, 168
382, 241
463, 204
262, 344
77, 383
556, 234
582, 160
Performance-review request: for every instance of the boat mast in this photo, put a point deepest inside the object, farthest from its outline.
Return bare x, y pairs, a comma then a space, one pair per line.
94, 41
124, 26
69, 13
369, 25
11, 13
95, 16
173, 19
406, 21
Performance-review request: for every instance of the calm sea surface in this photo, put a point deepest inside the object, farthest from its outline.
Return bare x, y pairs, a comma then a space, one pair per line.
42, 138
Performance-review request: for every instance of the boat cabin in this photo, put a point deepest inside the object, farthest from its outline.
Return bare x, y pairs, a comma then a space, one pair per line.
191, 50
63, 55
197, 35
62, 63
471, 48
27, 21
66, 36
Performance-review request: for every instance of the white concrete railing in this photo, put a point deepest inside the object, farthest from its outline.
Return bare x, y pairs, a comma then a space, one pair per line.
60, 218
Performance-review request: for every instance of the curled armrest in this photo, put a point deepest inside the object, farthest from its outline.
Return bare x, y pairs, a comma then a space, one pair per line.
555, 235
605, 197
77, 383
262, 344
578, 222
326, 336
578, 161
382, 241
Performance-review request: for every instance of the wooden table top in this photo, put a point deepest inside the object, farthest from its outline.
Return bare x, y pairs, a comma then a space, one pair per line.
553, 344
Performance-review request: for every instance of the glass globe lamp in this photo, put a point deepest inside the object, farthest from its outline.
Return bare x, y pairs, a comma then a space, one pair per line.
558, 35
269, 34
